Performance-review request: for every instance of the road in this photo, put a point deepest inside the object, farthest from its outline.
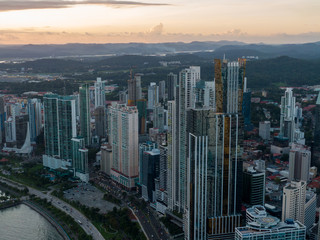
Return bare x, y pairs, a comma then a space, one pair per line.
86, 225
147, 219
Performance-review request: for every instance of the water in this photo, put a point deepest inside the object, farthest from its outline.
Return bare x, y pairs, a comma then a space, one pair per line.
23, 223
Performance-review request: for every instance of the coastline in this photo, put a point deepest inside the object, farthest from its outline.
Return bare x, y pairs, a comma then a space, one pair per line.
43, 213
51, 220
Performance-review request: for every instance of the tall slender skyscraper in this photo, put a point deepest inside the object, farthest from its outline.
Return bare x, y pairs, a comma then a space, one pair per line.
289, 123
172, 160
3, 118
214, 182
35, 118
153, 95
188, 79
99, 93
172, 81
134, 90
125, 144
100, 121
59, 129
85, 129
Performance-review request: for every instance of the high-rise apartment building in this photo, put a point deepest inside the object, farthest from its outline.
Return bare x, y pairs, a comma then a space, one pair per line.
123, 138
316, 134
188, 79
158, 117
85, 129
80, 158
3, 118
310, 209
264, 130
106, 159
299, 162
293, 201
134, 90
100, 121
172, 81
59, 129
142, 110
99, 93
205, 94
153, 95
172, 158
214, 182
289, 118
35, 118
246, 106
162, 90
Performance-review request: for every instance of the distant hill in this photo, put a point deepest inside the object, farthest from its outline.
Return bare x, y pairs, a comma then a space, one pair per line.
262, 73
304, 51
231, 49
78, 50
282, 71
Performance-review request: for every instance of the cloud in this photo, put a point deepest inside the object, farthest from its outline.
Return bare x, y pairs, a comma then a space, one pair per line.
153, 35
14, 5
156, 30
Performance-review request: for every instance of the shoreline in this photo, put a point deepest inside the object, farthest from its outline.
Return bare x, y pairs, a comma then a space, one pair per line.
44, 214
50, 219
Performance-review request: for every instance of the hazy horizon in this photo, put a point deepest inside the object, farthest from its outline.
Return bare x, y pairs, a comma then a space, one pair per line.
112, 21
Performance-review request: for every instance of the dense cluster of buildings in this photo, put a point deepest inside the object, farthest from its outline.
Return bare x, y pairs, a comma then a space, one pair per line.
181, 145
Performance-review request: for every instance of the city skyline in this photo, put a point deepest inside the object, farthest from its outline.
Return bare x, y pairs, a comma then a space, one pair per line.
99, 21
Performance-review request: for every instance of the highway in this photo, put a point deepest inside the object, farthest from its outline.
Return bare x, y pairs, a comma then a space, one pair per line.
86, 225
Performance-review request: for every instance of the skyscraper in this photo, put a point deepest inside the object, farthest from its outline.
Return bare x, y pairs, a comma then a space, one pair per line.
85, 129
172, 160
100, 121
299, 162
99, 93
80, 158
35, 117
134, 90
3, 118
59, 129
289, 123
172, 81
215, 138
150, 171
125, 144
293, 201
153, 95
188, 79
158, 117
316, 134
142, 110
162, 90
246, 106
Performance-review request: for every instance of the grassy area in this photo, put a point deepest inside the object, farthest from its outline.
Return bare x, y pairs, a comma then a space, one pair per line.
106, 234
29, 175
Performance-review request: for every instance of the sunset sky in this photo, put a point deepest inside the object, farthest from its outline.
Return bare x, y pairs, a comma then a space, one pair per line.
101, 21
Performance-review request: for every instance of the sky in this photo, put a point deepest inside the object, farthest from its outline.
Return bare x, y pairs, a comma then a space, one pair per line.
116, 21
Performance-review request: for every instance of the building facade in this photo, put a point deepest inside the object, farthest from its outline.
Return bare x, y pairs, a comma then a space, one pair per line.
125, 144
